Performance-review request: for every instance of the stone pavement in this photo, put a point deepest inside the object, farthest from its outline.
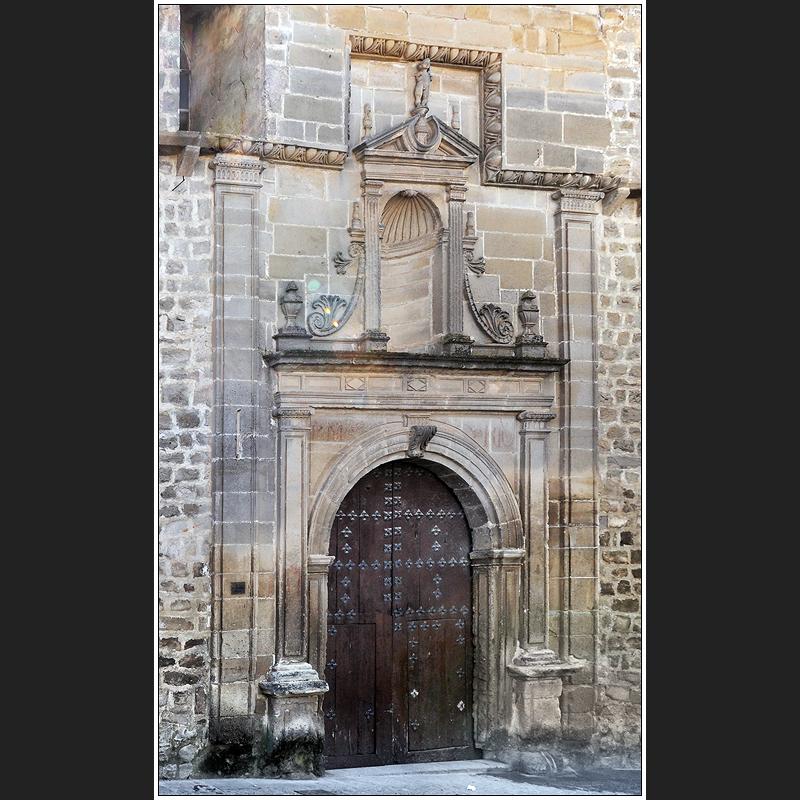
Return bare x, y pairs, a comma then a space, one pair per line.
477, 778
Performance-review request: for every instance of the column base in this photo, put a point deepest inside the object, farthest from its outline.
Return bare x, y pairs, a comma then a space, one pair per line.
295, 732
538, 675
372, 340
455, 344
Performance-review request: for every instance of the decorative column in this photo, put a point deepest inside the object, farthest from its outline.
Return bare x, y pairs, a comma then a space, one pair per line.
534, 507
295, 731
496, 589
577, 541
373, 337
237, 446
454, 341
317, 609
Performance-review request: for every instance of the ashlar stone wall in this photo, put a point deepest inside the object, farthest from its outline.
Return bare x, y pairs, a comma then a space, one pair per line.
571, 83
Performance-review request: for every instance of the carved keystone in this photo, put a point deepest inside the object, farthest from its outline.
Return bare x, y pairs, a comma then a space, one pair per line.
418, 439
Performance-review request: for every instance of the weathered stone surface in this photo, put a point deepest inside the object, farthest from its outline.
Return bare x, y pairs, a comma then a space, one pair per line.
563, 102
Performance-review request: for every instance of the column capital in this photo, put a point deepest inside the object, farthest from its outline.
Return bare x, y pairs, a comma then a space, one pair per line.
297, 419
371, 186
535, 420
456, 192
237, 170
580, 201
319, 563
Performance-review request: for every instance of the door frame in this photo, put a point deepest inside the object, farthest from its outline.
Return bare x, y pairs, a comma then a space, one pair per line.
494, 519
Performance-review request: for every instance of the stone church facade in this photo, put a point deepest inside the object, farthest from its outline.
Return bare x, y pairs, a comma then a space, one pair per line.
399, 386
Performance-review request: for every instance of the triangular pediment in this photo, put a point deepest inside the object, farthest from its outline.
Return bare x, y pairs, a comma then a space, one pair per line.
426, 137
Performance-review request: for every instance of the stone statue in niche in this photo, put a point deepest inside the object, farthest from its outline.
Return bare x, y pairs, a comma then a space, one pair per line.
422, 88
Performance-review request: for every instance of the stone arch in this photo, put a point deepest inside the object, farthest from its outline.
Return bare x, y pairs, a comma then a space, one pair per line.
478, 482
496, 529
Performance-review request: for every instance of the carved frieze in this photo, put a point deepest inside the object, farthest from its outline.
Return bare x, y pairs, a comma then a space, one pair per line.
411, 51
304, 155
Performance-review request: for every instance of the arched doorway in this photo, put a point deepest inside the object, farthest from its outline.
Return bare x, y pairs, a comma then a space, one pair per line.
399, 645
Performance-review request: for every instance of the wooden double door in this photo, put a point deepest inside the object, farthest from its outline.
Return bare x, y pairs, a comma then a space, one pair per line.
399, 644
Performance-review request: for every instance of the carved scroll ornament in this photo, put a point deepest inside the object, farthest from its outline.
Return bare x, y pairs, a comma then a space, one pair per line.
331, 311
492, 319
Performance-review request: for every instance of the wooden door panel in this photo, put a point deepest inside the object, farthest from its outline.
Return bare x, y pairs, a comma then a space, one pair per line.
351, 678
399, 603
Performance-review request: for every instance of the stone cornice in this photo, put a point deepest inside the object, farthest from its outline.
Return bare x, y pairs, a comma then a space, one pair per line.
331, 361
172, 143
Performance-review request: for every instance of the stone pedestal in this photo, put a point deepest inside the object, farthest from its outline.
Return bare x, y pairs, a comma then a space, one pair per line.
538, 677
295, 735
455, 344
530, 346
294, 338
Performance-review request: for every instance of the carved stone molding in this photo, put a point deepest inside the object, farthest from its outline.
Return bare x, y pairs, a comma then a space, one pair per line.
304, 155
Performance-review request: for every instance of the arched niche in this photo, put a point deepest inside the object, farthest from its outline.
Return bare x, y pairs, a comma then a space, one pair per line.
411, 270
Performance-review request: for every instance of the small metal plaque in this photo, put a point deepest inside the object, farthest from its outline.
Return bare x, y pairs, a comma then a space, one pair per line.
237, 587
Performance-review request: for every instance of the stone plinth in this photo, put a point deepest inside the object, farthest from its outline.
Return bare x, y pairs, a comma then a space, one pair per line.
538, 684
295, 734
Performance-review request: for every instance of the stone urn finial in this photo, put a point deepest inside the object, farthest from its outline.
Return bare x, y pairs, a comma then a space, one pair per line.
530, 343
528, 312
291, 303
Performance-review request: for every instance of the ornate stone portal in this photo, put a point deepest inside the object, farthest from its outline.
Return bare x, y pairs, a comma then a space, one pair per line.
413, 385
